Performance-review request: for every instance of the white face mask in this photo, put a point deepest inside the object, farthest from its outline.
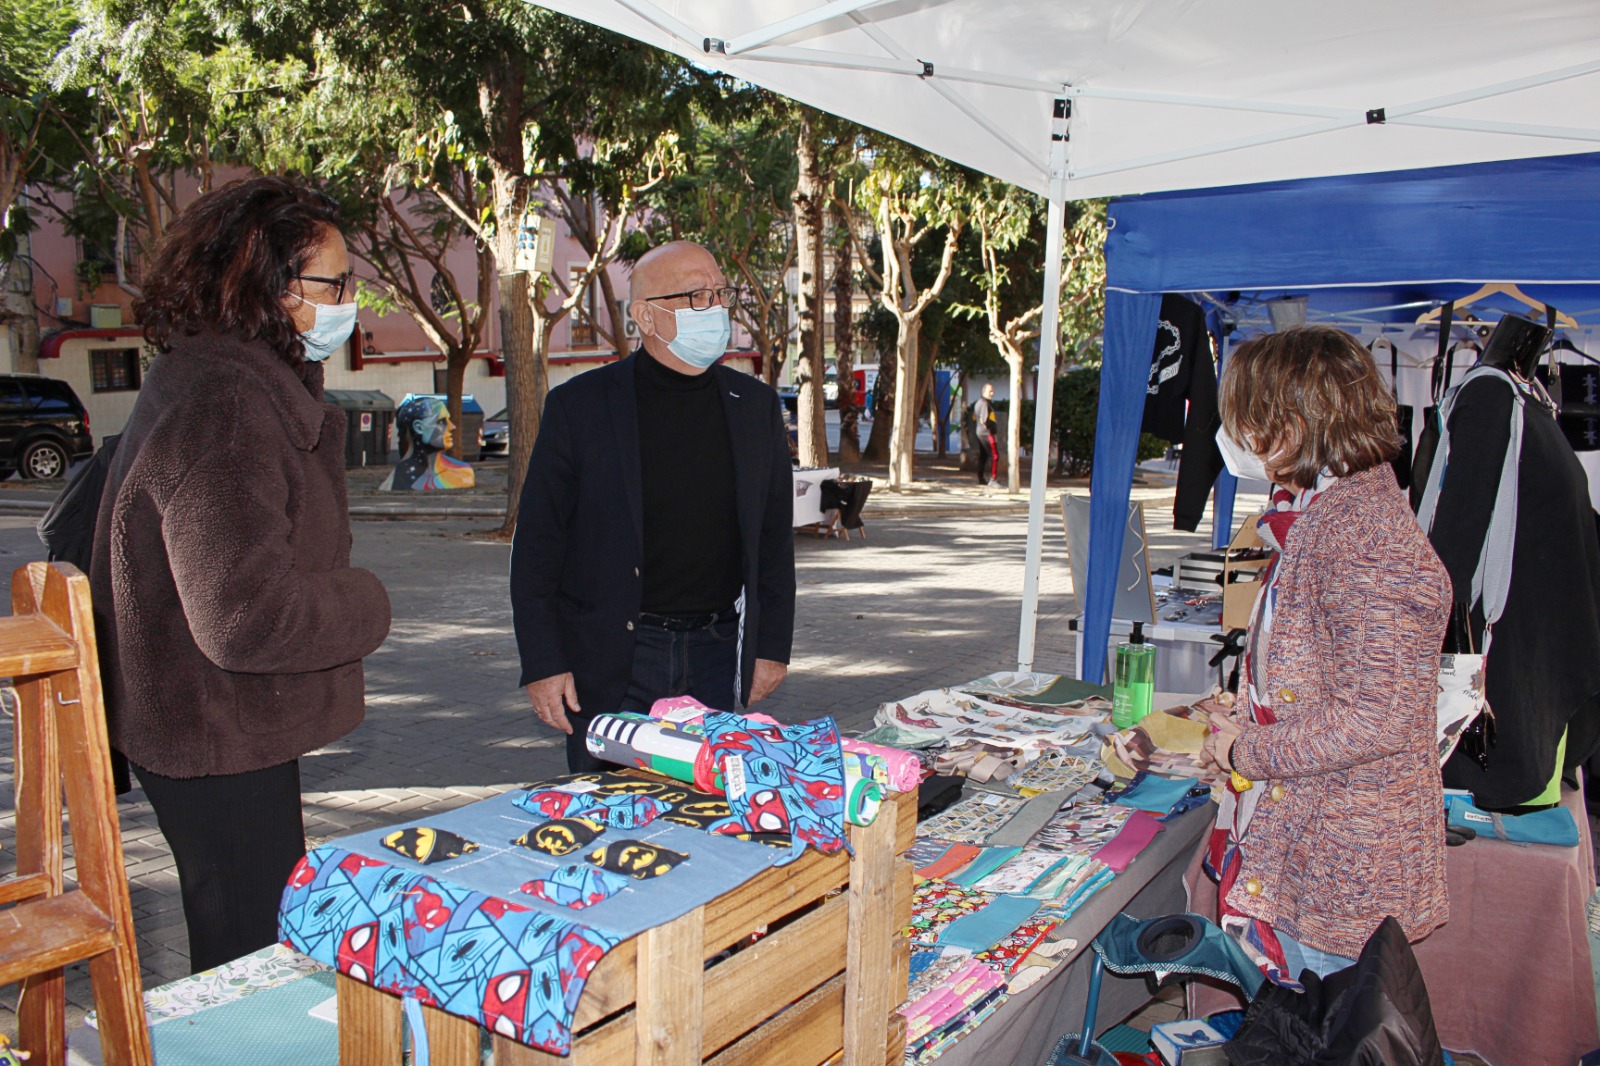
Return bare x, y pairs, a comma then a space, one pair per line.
702, 335
331, 327
1241, 462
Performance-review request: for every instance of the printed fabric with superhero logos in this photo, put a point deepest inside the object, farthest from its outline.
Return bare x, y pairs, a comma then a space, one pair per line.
499, 910
781, 779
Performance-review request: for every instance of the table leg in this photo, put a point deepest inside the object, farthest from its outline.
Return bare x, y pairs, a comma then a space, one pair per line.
670, 992
369, 1025
870, 956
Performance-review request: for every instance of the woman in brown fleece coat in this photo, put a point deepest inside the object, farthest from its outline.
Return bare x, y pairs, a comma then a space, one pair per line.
1335, 724
232, 624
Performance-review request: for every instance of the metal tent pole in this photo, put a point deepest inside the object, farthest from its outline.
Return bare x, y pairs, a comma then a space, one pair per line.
1044, 402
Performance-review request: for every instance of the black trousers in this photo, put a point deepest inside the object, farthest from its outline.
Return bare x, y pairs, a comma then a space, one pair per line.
236, 839
703, 663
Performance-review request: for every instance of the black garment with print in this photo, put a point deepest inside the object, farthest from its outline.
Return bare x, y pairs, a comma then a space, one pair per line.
1181, 404
691, 527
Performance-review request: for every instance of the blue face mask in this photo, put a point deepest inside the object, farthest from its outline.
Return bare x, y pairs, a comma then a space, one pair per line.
330, 329
702, 336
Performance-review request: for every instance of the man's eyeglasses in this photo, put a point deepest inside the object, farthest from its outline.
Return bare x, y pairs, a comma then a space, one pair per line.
701, 299
339, 283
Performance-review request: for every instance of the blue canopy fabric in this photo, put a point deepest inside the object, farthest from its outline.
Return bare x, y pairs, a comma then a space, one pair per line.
1352, 241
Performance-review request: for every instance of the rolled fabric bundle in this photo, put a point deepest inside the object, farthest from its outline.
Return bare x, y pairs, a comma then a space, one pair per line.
862, 795
637, 740
902, 770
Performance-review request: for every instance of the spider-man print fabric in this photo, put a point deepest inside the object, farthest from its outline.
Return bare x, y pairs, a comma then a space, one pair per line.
498, 911
787, 779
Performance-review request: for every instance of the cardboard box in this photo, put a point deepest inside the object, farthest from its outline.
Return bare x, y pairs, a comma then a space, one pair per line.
1242, 569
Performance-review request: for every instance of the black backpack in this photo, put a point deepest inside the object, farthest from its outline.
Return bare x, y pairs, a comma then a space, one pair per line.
67, 528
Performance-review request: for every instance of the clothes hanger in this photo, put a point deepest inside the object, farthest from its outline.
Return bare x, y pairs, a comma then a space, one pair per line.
1562, 344
1500, 288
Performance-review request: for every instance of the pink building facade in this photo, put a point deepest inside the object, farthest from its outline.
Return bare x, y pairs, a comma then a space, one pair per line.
90, 340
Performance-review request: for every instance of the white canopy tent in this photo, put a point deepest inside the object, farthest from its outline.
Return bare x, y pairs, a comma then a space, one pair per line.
1095, 98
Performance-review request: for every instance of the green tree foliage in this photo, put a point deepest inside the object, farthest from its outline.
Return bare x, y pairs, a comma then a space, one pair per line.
731, 193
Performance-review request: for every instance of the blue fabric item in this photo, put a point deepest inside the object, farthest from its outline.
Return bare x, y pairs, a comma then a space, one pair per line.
988, 861
1351, 242
793, 778
1130, 338
1198, 796
1554, 826
460, 933
420, 1055
1150, 792
984, 929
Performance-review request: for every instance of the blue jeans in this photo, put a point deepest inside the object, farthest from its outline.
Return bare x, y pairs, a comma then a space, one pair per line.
703, 663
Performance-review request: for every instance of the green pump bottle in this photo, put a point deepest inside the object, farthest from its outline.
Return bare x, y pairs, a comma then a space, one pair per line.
1133, 691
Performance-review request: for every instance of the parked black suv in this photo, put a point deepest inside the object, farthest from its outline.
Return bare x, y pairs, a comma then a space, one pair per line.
43, 426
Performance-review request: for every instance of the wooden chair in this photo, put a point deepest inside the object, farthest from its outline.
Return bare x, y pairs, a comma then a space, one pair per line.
47, 648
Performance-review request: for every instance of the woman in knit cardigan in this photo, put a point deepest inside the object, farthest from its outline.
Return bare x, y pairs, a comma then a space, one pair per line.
1334, 816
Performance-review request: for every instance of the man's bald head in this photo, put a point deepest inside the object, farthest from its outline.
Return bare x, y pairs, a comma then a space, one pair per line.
672, 267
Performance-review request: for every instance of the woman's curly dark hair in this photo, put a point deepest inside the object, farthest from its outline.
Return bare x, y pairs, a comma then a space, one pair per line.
226, 262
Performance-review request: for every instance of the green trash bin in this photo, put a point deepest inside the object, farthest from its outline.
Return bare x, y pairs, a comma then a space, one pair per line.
369, 417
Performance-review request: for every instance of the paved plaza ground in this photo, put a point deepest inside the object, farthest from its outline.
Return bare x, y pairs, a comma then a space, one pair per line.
932, 597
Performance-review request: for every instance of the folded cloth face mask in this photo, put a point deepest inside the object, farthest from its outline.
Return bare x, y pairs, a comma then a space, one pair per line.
1554, 826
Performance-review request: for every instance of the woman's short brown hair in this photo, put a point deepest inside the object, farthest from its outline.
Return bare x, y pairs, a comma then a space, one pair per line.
226, 262
1309, 399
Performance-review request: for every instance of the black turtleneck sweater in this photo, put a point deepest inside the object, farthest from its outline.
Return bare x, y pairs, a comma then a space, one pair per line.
691, 527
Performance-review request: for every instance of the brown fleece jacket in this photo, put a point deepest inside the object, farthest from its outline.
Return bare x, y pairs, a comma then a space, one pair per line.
231, 623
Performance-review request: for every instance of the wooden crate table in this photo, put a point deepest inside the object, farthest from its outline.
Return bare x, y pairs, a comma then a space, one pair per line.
823, 986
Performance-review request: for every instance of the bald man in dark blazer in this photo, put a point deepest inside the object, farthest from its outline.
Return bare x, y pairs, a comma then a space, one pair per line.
654, 551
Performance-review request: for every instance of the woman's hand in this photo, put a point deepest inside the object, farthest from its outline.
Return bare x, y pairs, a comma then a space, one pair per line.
1217, 751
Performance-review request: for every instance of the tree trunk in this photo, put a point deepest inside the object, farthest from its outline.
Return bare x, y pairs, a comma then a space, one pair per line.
808, 203
455, 378
17, 309
617, 314
1014, 427
844, 343
524, 384
903, 439
883, 406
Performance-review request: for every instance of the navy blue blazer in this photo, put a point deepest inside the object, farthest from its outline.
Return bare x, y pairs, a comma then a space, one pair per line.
579, 544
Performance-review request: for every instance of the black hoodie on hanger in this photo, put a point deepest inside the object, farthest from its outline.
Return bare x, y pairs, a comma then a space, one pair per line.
1180, 404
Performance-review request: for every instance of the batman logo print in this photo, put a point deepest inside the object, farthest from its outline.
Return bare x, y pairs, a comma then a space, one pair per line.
560, 837
427, 846
635, 858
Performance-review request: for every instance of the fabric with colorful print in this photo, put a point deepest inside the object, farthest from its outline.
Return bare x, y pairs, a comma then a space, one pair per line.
972, 820
514, 970
637, 859
576, 887
427, 845
463, 935
781, 779
1010, 952
562, 836
935, 904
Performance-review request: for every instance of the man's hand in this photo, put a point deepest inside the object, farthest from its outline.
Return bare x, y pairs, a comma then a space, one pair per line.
769, 675
1218, 748
549, 695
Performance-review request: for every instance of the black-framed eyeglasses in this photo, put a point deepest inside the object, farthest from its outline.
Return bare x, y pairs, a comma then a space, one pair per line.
339, 282
701, 299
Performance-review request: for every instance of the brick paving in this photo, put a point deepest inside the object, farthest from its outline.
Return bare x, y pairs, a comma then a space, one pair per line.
931, 598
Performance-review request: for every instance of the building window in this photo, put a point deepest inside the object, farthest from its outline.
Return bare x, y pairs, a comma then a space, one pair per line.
583, 332
114, 369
